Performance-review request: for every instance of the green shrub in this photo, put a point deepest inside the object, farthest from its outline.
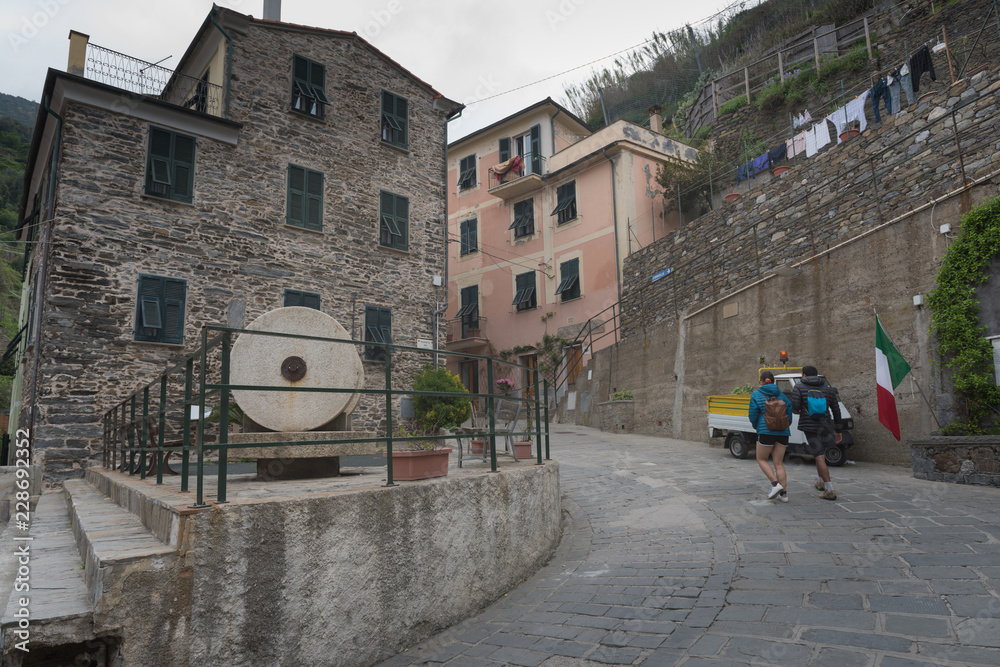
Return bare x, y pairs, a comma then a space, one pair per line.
743, 389
733, 105
433, 412
771, 98
622, 395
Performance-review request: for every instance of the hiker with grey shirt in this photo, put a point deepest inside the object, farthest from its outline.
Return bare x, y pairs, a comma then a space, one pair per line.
815, 401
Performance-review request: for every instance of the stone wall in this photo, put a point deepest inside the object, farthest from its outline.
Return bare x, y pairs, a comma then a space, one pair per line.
704, 328
961, 460
232, 244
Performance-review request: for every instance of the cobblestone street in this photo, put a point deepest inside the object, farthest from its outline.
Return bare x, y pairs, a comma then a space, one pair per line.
672, 554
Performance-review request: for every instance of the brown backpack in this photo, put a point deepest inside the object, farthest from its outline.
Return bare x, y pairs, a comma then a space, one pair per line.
775, 414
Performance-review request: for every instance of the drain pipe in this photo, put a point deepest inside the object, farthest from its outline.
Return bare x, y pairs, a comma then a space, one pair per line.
552, 123
618, 270
229, 53
438, 312
43, 244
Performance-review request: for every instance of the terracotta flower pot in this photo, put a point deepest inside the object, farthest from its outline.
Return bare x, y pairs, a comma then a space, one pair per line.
477, 446
779, 172
847, 134
421, 464
732, 196
522, 449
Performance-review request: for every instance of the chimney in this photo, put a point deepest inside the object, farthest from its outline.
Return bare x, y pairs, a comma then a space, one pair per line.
272, 10
655, 119
77, 62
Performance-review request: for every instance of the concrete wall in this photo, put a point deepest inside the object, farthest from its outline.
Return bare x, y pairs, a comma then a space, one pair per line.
346, 579
703, 329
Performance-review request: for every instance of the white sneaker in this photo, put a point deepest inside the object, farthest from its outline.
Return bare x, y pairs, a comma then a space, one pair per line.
775, 490
783, 498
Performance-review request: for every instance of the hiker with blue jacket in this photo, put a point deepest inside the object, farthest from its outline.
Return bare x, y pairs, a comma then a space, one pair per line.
815, 401
771, 414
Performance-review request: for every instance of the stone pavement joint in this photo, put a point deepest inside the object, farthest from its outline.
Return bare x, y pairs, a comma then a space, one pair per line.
672, 555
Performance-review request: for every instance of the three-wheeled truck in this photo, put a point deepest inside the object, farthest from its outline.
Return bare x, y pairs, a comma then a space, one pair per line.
729, 417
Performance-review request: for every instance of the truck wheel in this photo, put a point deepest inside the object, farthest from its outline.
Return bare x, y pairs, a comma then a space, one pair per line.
835, 456
737, 444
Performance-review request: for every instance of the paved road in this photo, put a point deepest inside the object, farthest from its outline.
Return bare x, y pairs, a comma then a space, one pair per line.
671, 555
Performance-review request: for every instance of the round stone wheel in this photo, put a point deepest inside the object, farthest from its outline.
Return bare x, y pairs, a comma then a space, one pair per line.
271, 361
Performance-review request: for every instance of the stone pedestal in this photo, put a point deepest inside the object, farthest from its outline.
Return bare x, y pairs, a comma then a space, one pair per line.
297, 459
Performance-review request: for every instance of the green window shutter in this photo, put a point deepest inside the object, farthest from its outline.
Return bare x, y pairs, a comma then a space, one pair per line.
566, 202
524, 218
504, 149
470, 236
160, 309
524, 297
395, 111
170, 165
536, 149
467, 173
314, 200
378, 329
293, 297
296, 196
308, 86
394, 217
569, 285
174, 292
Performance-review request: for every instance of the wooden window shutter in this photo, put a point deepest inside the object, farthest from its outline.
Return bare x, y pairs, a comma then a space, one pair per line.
314, 200
296, 195
536, 149
504, 149
174, 292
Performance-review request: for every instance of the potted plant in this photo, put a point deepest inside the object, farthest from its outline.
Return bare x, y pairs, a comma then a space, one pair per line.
418, 459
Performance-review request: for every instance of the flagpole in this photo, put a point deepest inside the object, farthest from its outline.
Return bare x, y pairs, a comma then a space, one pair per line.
916, 384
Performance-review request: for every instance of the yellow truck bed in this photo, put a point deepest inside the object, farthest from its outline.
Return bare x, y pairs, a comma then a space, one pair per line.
735, 405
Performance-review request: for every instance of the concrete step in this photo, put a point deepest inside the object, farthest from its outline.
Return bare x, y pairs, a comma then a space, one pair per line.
59, 606
110, 539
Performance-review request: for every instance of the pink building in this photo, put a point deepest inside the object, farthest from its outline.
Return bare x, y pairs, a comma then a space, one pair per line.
541, 215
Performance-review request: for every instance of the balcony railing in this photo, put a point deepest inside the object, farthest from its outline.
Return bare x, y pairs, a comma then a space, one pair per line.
466, 329
516, 168
144, 78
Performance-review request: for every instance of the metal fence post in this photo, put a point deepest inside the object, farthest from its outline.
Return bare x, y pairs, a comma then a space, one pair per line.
163, 427
546, 386
145, 433
186, 435
538, 416
220, 494
131, 437
492, 416
200, 480
388, 417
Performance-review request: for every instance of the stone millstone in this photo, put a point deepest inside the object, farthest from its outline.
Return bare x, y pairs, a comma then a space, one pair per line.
289, 362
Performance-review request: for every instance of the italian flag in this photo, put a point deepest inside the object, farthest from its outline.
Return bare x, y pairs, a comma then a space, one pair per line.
890, 369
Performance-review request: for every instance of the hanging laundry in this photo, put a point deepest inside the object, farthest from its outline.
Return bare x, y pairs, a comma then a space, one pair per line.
811, 141
906, 82
796, 144
778, 153
920, 62
880, 91
822, 132
853, 110
742, 173
801, 119
760, 163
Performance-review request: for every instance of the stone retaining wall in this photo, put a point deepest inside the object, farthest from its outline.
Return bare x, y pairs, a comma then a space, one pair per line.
957, 459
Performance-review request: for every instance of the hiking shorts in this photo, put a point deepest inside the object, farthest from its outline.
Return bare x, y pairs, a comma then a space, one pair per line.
768, 440
818, 442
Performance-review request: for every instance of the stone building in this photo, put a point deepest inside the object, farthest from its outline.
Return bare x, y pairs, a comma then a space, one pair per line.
278, 165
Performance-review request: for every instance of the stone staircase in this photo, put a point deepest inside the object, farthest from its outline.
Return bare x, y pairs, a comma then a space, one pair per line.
83, 550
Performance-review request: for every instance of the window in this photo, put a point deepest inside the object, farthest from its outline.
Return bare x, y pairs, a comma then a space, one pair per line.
469, 312
294, 297
569, 284
378, 329
470, 236
565, 202
529, 147
467, 173
159, 309
170, 165
504, 149
524, 298
394, 220
305, 198
524, 218
308, 87
394, 125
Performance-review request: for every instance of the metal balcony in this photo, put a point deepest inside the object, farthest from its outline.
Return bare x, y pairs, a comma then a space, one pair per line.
517, 176
466, 335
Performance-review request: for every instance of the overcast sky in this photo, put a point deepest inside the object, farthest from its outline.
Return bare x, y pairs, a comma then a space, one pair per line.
466, 49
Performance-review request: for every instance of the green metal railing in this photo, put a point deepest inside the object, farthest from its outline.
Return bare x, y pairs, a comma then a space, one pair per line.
130, 445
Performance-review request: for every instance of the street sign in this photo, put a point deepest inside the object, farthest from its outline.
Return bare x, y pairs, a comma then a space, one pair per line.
660, 274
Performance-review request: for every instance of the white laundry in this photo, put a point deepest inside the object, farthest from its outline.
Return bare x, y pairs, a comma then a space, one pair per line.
853, 110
